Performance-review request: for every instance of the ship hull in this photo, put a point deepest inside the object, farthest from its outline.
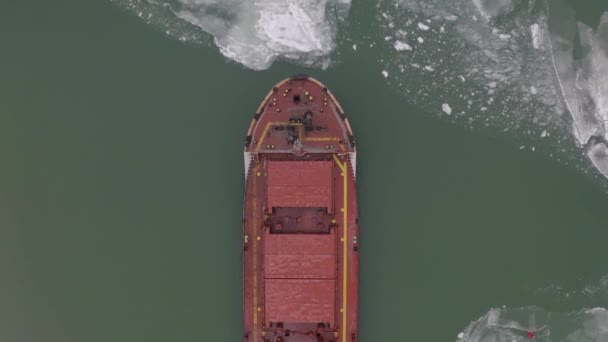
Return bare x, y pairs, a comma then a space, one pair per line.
300, 226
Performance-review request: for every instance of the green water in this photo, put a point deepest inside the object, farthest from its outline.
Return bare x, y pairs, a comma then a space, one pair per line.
121, 184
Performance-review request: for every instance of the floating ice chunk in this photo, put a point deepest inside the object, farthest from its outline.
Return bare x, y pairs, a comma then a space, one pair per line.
508, 325
387, 38
492, 84
400, 34
450, 18
599, 157
543, 134
420, 40
461, 335
355, 47
537, 38
385, 73
257, 32
401, 46
446, 108
533, 90
423, 27
461, 78
429, 68
504, 36
584, 84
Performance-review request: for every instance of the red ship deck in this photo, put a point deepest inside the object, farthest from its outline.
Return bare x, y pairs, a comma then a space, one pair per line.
300, 227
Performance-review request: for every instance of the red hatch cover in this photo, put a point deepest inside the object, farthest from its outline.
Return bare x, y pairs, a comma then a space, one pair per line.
300, 300
300, 256
300, 275
300, 184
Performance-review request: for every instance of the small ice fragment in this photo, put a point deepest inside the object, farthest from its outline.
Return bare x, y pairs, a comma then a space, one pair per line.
483, 109
400, 46
385, 73
446, 108
420, 40
474, 18
461, 78
387, 38
543, 134
355, 47
504, 36
441, 28
450, 18
461, 335
429, 68
492, 84
533, 148
536, 36
423, 26
533, 90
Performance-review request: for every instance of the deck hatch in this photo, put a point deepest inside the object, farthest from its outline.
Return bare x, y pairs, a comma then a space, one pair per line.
300, 184
300, 276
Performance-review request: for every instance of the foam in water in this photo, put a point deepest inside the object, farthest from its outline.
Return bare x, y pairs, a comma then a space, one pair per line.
257, 32
590, 292
512, 325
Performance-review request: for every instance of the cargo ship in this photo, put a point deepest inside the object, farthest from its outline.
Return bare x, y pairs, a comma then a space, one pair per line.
300, 225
